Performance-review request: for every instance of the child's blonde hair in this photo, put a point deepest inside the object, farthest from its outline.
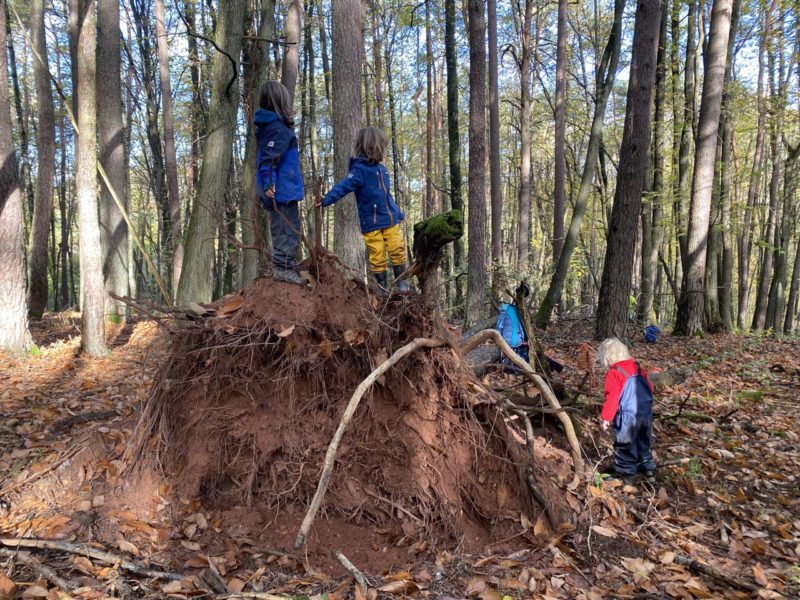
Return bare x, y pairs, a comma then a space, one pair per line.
274, 96
612, 350
372, 143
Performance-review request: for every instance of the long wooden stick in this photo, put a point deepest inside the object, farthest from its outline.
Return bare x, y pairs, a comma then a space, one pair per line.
88, 551
547, 393
349, 411
716, 574
43, 570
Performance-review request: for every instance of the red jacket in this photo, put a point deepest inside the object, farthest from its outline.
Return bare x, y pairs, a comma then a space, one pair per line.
615, 381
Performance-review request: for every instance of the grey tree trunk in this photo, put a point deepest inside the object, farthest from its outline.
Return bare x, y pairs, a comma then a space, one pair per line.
604, 83
691, 306
612, 314
560, 167
794, 291
197, 281
476, 223
174, 245
111, 137
259, 60
93, 339
346, 98
526, 102
453, 134
494, 141
46, 154
653, 214
14, 334
291, 56
429, 203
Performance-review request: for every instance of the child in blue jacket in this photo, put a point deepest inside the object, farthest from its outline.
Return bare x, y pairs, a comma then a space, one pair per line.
378, 214
278, 177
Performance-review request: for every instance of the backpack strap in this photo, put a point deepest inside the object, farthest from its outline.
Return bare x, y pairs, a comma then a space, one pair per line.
621, 370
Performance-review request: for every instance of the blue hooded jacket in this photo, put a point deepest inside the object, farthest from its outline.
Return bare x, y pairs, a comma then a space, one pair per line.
370, 182
278, 163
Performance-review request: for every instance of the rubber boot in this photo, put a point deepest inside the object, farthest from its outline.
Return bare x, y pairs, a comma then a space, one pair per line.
401, 284
382, 281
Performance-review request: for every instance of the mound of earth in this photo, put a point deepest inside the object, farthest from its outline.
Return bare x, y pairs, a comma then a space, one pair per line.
244, 408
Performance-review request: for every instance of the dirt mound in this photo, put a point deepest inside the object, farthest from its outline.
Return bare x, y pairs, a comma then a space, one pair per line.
246, 405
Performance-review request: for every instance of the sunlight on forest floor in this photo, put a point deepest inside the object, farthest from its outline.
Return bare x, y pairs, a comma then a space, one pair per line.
726, 494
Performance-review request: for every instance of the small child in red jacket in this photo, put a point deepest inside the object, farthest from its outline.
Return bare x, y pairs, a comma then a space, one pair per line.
628, 410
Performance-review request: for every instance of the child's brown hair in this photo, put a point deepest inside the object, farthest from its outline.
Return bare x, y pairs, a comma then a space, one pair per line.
371, 142
274, 96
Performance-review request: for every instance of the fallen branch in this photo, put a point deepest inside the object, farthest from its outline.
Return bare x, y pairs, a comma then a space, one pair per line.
541, 384
352, 569
716, 574
44, 571
66, 423
349, 411
89, 552
254, 595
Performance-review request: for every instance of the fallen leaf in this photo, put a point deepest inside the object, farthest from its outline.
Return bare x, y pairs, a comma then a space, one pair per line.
604, 531
667, 558
126, 546
231, 305
35, 591
760, 576
235, 585
400, 586
173, 587
8, 589
286, 332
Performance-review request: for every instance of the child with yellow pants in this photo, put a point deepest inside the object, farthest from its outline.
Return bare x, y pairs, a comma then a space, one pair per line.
378, 214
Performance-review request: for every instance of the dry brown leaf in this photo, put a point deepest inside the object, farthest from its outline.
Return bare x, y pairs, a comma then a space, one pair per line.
476, 586
34, 591
667, 558
235, 585
173, 587
231, 305
400, 586
759, 575
604, 531
126, 546
284, 333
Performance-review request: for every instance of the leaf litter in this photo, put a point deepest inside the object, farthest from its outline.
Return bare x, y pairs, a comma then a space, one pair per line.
726, 494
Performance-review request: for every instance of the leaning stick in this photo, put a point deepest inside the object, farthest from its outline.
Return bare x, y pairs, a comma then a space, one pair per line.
349, 411
352, 569
88, 551
541, 384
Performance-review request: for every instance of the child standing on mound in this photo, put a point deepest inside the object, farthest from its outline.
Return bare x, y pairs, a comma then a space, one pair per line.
378, 214
278, 177
628, 410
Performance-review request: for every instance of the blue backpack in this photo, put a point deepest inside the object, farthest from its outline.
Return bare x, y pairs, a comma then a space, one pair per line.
651, 333
510, 327
635, 404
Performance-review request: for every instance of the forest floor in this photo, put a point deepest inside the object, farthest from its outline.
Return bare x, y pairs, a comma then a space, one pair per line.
727, 493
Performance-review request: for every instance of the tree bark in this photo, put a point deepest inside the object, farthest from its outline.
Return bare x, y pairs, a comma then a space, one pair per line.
291, 55
560, 167
258, 63
196, 129
494, 142
429, 204
604, 83
453, 134
612, 314
14, 334
110, 133
346, 118
691, 306
196, 283
94, 295
524, 194
46, 154
174, 245
653, 214
476, 223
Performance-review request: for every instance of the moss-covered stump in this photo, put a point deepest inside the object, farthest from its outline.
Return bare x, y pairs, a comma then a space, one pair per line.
430, 238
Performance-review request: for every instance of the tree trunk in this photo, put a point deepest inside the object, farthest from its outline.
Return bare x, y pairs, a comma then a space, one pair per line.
494, 142
794, 290
46, 154
14, 334
174, 245
429, 203
691, 306
726, 183
377, 60
560, 167
744, 240
93, 339
453, 134
291, 55
604, 83
346, 118
110, 134
196, 128
652, 215
476, 223
524, 194
612, 315
258, 62
196, 283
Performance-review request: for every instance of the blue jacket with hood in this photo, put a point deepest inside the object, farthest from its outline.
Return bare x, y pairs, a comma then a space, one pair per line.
278, 159
369, 181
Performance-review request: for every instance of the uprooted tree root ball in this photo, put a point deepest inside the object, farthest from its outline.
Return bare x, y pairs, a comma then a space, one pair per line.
255, 386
